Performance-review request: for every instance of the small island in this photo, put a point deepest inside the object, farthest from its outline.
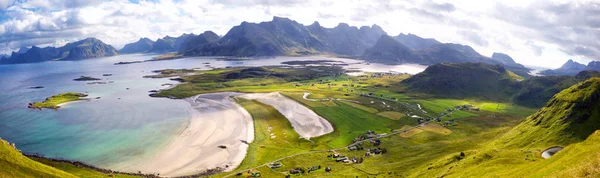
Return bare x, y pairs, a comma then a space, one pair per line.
54, 102
86, 78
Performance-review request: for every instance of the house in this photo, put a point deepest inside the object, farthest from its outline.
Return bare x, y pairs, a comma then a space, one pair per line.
341, 159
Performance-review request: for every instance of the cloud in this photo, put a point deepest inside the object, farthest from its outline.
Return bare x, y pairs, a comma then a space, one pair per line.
574, 25
473, 37
447, 7
537, 49
5, 3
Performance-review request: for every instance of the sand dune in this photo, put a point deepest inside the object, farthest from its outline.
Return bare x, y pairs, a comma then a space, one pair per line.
305, 122
216, 120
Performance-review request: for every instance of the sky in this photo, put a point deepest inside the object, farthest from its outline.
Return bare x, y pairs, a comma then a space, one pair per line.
542, 33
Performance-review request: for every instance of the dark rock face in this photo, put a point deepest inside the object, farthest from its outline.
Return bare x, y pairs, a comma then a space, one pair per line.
283, 36
194, 46
84, 49
170, 44
415, 42
570, 68
140, 46
388, 50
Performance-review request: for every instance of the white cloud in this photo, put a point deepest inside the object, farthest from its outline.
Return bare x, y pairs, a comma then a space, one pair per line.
535, 32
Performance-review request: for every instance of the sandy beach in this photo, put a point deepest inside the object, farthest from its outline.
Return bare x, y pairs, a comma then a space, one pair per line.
305, 121
217, 120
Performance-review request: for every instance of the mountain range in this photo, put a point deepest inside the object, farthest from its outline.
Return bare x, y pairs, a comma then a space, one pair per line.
571, 68
84, 49
286, 37
141, 46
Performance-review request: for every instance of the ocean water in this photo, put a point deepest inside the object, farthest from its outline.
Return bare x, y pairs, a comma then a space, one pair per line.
125, 125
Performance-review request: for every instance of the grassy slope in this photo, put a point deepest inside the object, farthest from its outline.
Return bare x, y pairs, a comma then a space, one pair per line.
571, 116
78, 171
14, 164
264, 148
53, 101
567, 120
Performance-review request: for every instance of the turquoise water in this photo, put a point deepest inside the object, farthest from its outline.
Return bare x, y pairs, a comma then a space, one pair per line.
103, 132
124, 125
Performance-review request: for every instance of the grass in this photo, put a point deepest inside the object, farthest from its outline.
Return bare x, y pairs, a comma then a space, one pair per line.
79, 171
14, 164
350, 122
360, 106
53, 102
391, 115
267, 122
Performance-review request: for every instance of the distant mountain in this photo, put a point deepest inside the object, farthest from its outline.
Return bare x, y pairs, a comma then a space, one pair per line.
84, 49
570, 68
464, 80
570, 116
283, 36
415, 42
388, 50
594, 65
194, 46
429, 52
87, 48
141, 46
169, 44
23, 50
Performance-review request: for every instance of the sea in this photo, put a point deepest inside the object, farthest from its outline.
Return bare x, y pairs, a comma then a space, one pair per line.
120, 123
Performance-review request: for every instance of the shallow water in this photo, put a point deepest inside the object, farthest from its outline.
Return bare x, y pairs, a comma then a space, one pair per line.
124, 125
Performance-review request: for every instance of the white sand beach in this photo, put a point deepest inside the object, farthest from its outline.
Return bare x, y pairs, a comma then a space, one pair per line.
305, 122
216, 120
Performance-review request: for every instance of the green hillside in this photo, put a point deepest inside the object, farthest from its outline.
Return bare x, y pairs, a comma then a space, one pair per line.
14, 164
570, 119
464, 80
570, 116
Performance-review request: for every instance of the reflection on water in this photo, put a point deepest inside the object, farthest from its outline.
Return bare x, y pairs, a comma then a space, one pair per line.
125, 123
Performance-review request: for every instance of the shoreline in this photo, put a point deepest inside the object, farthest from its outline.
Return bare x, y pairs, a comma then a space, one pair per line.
215, 121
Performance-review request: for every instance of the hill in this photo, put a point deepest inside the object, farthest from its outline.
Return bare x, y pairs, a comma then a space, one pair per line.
571, 119
464, 80
140, 46
84, 49
14, 164
570, 116
536, 91
570, 68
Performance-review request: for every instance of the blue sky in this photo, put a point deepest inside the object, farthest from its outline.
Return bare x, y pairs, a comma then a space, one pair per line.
534, 32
